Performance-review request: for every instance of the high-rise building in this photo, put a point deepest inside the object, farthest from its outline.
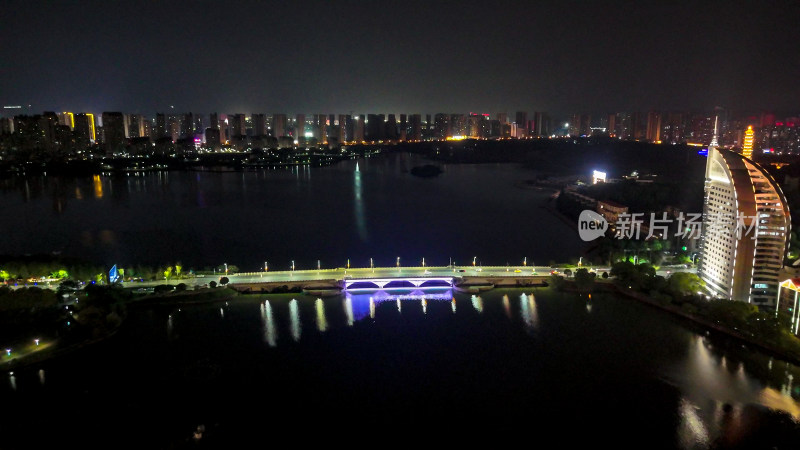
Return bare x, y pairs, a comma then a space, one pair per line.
174, 127
213, 138
213, 121
349, 128
259, 124
375, 127
747, 145
300, 126
541, 124
745, 226
161, 126
237, 124
67, 118
580, 125
415, 127
114, 137
136, 125
458, 125
319, 127
391, 128
653, 133
441, 126
187, 126
278, 125
358, 132
522, 119
84, 130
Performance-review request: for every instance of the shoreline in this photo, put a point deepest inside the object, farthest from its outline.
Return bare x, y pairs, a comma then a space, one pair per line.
645, 299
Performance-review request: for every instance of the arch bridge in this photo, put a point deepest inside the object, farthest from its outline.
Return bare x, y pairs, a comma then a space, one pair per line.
371, 284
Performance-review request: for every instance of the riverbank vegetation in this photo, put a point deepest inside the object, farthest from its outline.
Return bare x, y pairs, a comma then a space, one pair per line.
42, 270
682, 293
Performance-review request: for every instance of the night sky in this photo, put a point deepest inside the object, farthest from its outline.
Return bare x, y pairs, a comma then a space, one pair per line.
399, 57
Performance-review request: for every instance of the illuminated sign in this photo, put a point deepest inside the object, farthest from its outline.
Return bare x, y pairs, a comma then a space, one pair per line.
598, 177
113, 274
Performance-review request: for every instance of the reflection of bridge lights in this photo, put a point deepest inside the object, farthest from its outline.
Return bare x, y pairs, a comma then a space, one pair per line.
294, 319
477, 303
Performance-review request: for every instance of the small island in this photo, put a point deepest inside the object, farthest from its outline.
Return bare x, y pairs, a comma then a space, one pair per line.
426, 171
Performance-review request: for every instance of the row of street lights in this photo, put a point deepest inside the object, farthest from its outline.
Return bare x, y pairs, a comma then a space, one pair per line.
372, 264
8, 350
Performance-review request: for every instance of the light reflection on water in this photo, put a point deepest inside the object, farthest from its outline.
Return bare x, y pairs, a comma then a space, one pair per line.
322, 323
477, 303
704, 375
294, 320
268, 321
712, 386
528, 310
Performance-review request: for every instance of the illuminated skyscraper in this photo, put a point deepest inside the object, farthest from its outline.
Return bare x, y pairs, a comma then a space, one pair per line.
84, 129
67, 118
653, 133
746, 222
747, 146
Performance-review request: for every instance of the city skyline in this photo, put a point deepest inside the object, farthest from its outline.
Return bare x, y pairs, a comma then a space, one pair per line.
411, 56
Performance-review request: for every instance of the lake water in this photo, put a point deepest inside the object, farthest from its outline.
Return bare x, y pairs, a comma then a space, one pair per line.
511, 363
370, 208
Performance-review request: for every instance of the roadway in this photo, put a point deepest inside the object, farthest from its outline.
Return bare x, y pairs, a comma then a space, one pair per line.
388, 272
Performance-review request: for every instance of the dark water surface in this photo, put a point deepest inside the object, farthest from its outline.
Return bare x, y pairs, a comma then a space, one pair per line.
331, 214
510, 365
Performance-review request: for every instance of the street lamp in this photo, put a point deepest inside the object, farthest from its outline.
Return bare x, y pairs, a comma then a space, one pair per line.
348, 263
319, 265
525, 261
473, 260
37, 342
226, 268
371, 266
423, 262
266, 267
8, 352
292, 265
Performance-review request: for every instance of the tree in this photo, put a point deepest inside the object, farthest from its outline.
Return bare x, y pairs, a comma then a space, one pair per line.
584, 279
223, 281
4, 275
212, 284
168, 272
178, 268
59, 274
180, 287
605, 275
684, 283
556, 282
568, 272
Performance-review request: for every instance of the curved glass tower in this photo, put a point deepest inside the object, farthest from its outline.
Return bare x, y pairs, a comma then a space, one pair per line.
746, 223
